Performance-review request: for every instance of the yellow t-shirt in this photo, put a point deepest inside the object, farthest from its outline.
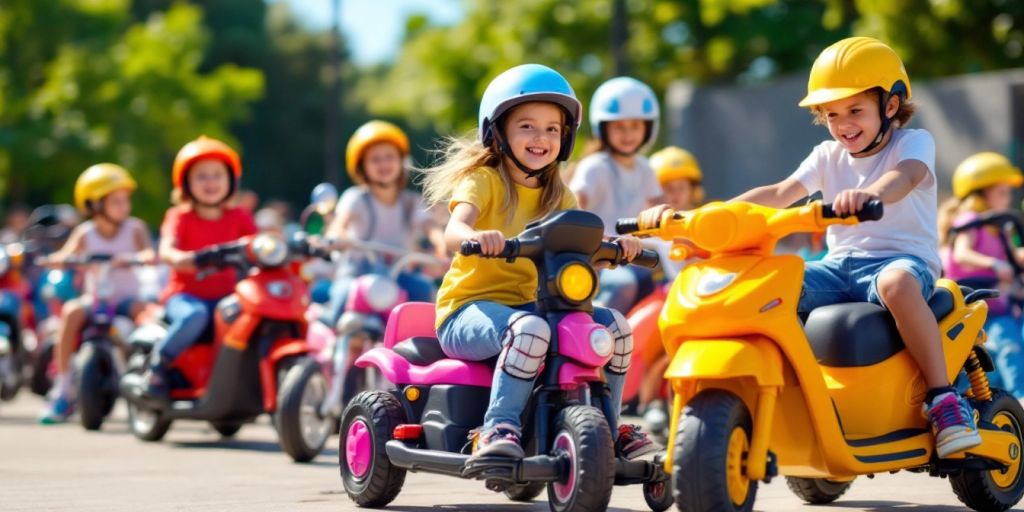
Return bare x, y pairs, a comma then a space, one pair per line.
473, 278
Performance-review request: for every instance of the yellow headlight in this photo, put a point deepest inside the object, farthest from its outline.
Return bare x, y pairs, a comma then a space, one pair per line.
576, 282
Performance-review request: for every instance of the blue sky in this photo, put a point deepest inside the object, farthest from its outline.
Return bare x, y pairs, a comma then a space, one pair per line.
373, 28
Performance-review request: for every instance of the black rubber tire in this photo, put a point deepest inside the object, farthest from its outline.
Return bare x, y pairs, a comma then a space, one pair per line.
40, 383
289, 410
380, 412
96, 381
226, 428
817, 491
658, 495
529, 491
8, 392
702, 444
152, 433
588, 430
976, 488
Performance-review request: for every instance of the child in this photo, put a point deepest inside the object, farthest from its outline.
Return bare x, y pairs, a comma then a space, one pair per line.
380, 209
103, 193
205, 175
616, 181
984, 183
494, 185
859, 88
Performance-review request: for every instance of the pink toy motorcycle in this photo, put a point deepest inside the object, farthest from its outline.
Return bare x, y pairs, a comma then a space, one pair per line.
423, 423
371, 299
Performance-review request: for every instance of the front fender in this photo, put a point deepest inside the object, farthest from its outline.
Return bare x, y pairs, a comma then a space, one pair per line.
753, 356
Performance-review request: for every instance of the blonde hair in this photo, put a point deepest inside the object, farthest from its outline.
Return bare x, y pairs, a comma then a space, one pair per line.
953, 206
461, 156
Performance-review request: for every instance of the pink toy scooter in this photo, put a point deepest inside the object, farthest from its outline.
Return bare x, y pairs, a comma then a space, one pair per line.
371, 299
423, 423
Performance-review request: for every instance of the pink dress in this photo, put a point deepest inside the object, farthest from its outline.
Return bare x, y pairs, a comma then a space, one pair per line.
987, 242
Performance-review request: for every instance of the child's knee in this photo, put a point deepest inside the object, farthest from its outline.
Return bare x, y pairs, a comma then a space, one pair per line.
526, 344
897, 286
622, 352
74, 308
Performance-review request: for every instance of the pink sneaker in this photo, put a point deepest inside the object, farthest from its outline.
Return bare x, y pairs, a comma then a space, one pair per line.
952, 421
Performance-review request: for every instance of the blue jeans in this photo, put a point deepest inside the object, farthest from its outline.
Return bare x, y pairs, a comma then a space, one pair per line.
189, 317
474, 332
1006, 345
856, 280
416, 286
623, 286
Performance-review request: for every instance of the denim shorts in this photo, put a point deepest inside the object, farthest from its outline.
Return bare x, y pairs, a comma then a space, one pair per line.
852, 279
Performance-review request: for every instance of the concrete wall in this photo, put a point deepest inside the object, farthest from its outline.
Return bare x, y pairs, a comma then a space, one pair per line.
749, 136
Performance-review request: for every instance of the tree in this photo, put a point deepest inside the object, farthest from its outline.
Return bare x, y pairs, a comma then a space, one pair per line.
83, 83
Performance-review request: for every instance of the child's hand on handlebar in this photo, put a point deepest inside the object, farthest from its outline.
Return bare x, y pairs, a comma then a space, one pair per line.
492, 242
648, 219
631, 246
183, 261
849, 202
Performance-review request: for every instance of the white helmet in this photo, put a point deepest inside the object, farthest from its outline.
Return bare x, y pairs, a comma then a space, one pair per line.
624, 98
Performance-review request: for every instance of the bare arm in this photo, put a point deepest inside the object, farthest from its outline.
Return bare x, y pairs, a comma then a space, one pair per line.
779, 195
964, 253
171, 255
581, 200
143, 244
893, 186
460, 229
74, 245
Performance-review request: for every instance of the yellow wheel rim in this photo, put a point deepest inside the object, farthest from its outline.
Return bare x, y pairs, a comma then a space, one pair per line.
1006, 479
735, 473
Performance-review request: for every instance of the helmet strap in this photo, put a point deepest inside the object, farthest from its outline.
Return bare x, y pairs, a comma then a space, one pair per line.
883, 102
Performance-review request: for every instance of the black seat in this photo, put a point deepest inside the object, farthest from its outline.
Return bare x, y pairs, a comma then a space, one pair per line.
420, 350
861, 333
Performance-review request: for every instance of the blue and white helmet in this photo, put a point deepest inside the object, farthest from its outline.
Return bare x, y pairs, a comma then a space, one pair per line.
624, 98
523, 84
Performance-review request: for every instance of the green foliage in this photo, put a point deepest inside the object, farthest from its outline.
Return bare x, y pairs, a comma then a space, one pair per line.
82, 83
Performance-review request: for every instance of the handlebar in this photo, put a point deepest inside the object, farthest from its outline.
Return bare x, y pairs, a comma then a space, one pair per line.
872, 210
609, 251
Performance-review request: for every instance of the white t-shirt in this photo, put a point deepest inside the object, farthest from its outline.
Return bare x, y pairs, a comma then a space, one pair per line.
612, 191
397, 225
907, 227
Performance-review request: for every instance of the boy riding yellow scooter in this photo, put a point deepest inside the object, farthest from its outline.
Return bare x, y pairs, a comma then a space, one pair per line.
838, 397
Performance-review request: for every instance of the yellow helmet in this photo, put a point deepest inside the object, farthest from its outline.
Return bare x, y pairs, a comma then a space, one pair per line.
673, 163
367, 135
852, 66
982, 170
99, 180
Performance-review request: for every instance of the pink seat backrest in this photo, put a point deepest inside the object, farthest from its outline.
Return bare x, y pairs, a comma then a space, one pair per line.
409, 320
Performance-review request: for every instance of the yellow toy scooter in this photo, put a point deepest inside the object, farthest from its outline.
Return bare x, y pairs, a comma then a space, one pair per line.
758, 394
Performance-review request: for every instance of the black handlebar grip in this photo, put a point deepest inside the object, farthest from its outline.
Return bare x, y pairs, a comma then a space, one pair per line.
646, 258
627, 226
469, 248
872, 210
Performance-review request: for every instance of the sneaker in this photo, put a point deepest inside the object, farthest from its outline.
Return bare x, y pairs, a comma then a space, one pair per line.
501, 440
632, 443
157, 384
58, 410
952, 421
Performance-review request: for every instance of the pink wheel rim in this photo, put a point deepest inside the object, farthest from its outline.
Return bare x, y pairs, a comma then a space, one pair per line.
564, 491
358, 451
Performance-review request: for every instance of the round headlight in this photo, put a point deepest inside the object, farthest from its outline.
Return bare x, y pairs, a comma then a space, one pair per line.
576, 282
5, 262
270, 251
601, 341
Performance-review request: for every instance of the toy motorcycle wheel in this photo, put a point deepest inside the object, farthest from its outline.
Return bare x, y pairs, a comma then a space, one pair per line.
147, 424
303, 431
10, 376
817, 491
582, 436
96, 379
998, 489
709, 460
366, 426
658, 493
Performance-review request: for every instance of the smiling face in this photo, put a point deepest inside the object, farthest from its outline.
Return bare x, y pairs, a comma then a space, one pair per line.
854, 122
209, 181
117, 205
382, 163
627, 135
534, 133
679, 194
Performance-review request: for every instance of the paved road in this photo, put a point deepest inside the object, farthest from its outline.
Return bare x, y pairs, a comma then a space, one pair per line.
65, 468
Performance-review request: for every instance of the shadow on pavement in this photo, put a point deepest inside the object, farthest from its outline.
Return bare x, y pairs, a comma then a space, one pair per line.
486, 507
873, 506
231, 444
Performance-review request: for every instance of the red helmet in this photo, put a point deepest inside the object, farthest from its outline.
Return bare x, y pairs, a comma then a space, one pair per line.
204, 147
